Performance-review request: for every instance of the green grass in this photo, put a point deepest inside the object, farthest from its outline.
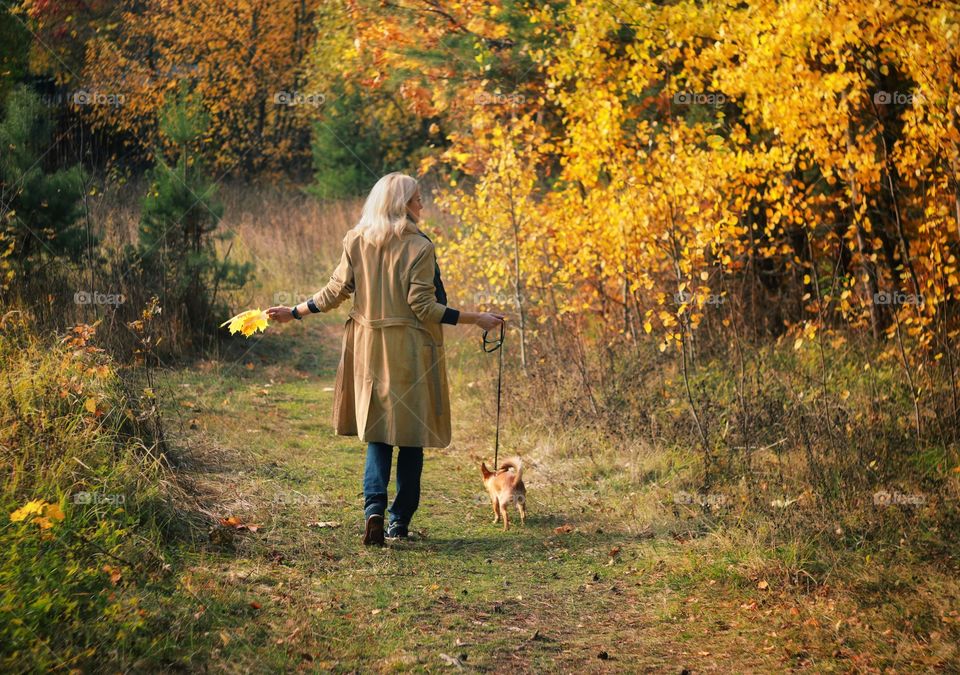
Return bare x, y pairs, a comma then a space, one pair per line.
637, 584
621, 591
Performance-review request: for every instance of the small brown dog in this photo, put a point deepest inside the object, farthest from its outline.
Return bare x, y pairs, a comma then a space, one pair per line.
505, 486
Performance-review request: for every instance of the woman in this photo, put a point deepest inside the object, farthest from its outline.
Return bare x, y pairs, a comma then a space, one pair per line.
391, 387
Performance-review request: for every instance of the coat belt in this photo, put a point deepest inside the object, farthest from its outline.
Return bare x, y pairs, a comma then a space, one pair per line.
386, 321
412, 323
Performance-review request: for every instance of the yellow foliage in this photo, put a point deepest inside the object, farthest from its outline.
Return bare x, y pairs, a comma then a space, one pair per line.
244, 60
645, 196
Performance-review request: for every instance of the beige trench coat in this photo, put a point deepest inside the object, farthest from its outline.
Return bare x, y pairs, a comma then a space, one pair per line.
391, 383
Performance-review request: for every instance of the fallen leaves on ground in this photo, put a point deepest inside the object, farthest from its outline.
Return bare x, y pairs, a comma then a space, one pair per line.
237, 524
42, 513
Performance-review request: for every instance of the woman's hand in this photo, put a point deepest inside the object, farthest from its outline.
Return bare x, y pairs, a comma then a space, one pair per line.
489, 320
280, 314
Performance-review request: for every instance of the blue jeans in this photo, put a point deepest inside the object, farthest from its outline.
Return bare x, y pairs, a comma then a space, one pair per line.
376, 475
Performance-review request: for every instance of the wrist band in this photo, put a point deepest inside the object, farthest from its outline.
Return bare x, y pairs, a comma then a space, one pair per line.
296, 314
312, 306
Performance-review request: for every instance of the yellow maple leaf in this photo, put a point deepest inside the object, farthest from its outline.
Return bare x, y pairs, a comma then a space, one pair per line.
248, 322
30, 508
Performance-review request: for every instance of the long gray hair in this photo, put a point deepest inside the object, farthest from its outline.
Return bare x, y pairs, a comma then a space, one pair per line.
385, 211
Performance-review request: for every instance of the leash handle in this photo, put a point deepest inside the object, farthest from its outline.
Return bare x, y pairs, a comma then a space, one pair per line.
488, 347
495, 344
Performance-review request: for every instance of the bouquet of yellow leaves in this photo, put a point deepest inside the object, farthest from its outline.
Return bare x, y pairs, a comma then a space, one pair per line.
248, 322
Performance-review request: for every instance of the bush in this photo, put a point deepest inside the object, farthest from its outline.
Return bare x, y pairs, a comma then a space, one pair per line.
83, 509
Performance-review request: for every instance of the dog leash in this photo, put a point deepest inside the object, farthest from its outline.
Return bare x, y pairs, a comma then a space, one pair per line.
488, 347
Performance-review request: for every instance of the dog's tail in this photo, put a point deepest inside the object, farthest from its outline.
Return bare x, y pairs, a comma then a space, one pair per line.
513, 463
485, 471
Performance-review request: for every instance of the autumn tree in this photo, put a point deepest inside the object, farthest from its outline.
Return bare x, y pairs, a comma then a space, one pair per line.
179, 225
245, 62
697, 172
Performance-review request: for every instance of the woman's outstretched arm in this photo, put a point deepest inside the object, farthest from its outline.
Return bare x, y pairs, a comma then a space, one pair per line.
338, 289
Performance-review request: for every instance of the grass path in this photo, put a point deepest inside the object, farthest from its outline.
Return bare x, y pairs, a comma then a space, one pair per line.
614, 594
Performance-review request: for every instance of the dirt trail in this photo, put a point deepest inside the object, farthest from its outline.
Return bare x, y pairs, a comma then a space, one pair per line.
578, 589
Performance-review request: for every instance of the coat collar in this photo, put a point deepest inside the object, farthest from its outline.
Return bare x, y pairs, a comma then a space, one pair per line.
416, 225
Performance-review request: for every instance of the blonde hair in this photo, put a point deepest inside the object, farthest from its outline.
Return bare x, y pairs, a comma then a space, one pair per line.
385, 211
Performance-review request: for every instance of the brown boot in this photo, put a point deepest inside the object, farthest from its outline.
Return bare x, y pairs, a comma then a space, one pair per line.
373, 534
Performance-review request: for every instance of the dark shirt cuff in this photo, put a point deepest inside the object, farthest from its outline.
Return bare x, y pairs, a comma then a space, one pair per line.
450, 315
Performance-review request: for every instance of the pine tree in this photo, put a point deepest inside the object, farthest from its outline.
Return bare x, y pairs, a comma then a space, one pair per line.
39, 209
347, 153
359, 138
179, 221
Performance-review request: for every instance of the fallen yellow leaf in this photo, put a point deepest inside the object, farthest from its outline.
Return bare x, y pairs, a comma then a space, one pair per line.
34, 507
